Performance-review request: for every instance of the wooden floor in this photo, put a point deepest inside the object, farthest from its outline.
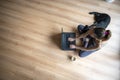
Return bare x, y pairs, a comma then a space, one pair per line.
30, 40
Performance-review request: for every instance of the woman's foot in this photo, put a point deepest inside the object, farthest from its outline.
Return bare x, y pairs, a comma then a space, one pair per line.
71, 39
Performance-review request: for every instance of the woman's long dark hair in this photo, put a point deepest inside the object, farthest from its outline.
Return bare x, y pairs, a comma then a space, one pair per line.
99, 32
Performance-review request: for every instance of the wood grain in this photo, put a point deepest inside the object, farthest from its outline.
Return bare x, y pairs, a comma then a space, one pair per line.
30, 33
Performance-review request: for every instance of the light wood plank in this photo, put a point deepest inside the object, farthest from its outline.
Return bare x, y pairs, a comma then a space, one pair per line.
30, 40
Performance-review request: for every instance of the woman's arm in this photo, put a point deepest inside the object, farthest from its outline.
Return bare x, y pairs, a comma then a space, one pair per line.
85, 34
88, 49
98, 46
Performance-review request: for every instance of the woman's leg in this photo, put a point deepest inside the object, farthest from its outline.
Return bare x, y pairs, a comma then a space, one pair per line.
85, 43
85, 53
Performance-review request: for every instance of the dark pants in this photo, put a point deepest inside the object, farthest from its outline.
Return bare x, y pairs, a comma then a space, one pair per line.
82, 29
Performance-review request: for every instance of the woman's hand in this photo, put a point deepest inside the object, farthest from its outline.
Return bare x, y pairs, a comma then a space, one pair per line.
71, 39
72, 46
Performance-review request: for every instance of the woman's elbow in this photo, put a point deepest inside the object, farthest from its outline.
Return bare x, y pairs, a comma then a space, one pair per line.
99, 47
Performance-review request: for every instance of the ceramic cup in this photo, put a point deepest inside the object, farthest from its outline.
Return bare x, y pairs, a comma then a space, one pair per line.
73, 58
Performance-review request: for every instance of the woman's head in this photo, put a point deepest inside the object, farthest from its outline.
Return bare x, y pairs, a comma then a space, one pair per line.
107, 35
99, 33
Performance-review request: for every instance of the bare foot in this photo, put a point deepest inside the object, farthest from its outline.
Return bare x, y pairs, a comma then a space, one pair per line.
72, 46
71, 39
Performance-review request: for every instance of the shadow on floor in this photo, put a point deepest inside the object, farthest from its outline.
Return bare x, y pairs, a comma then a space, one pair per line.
56, 39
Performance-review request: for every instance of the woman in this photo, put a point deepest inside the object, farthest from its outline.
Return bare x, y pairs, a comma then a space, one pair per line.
92, 39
